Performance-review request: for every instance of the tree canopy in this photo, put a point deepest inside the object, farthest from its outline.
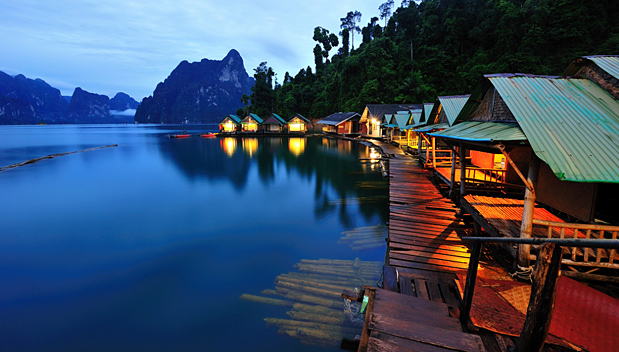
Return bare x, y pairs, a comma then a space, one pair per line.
441, 47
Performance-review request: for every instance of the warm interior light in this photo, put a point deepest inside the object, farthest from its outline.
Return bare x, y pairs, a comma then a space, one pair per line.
296, 127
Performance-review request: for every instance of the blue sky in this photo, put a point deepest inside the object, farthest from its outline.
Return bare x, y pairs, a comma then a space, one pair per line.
108, 46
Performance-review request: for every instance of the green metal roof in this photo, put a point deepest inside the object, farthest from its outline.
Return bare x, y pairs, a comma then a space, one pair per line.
415, 117
572, 124
392, 125
452, 106
233, 118
610, 64
388, 118
274, 119
300, 117
253, 116
427, 109
402, 119
476, 131
433, 127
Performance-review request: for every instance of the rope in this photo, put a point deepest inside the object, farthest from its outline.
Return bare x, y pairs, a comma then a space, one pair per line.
353, 311
523, 273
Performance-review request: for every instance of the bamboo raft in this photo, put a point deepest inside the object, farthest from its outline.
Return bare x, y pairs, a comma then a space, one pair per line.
313, 293
368, 237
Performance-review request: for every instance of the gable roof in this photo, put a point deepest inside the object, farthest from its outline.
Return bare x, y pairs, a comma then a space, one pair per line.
572, 124
338, 118
274, 119
608, 63
253, 116
401, 120
233, 118
415, 117
300, 117
379, 110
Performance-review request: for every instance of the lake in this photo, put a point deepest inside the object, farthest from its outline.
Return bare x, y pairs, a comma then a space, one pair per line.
149, 245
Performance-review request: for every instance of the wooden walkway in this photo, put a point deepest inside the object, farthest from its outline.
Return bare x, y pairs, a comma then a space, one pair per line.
418, 307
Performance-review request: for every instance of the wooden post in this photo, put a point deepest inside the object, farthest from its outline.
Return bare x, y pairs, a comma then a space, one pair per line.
526, 225
452, 191
542, 301
427, 152
433, 153
469, 286
419, 144
462, 170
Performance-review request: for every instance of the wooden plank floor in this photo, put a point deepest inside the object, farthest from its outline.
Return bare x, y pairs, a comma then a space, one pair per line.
424, 232
418, 308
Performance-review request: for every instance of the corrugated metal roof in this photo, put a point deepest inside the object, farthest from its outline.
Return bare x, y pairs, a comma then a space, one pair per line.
415, 117
477, 131
392, 125
274, 119
609, 63
234, 119
299, 116
427, 109
402, 119
338, 118
254, 117
433, 127
572, 124
452, 106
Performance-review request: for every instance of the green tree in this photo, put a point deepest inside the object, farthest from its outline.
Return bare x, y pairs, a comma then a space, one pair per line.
385, 10
262, 94
350, 22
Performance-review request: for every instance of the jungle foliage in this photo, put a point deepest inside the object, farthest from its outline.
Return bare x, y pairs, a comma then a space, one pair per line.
439, 47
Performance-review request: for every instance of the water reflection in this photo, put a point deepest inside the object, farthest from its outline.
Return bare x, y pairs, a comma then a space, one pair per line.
250, 146
296, 146
228, 145
333, 163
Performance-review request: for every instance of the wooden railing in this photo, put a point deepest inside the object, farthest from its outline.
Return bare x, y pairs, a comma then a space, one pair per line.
476, 174
598, 258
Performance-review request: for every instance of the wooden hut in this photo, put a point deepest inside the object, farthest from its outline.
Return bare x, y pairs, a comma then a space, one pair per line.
274, 124
298, 124
560, 136
230, 124
346, 123
443, 114
374, 115
251, 123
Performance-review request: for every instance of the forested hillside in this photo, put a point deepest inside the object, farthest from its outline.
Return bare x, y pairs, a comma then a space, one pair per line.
414, 52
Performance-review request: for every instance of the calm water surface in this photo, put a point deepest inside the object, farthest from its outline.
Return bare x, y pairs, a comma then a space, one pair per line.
149, 245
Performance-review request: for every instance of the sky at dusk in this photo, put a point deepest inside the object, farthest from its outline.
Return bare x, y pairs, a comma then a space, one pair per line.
110, 46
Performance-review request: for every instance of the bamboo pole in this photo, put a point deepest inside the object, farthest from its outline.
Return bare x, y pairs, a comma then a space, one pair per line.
265, 300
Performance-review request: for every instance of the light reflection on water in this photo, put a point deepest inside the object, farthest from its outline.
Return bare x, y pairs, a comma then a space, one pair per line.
149, 245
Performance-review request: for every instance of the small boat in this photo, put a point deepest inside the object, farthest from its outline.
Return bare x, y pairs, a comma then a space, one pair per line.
180, 135
208, 135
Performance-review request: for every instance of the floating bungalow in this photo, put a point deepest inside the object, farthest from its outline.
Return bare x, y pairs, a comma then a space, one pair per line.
298, 124
230, 124
274, 124
251, 123
374, 115
443, 114
346, 123
558, 139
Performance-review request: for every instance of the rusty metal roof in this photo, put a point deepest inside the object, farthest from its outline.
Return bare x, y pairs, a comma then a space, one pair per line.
338, 118
486, 131
608, 63
572, 124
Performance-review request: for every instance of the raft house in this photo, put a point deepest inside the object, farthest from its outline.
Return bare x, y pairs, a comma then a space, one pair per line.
252, 123
374, 115
230, 124
344, 124
548, 148
274, 124
298, 124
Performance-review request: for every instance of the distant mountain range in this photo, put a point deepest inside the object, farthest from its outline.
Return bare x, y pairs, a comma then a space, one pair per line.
198, 92
30, 101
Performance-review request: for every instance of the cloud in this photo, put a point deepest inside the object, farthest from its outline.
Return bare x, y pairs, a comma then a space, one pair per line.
128, 112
